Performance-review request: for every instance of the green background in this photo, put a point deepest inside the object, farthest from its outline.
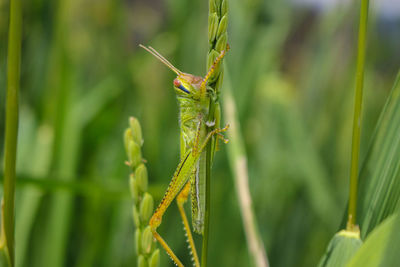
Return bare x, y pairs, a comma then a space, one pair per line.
82, 75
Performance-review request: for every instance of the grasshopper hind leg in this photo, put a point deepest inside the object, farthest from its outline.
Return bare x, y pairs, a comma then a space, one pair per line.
181, 200
167, 249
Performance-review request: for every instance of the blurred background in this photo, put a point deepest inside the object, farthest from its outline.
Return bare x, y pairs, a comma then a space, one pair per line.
291, 66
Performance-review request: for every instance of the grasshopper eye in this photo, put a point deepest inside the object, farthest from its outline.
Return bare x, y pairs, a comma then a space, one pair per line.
179, 85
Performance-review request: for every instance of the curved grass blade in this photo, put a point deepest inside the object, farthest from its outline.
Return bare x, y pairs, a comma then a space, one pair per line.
379, 190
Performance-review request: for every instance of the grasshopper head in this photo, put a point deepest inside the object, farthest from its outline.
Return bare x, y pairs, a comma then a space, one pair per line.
185, 85
188, 85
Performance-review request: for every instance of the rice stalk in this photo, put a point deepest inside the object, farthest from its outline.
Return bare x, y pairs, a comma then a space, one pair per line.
11, 132
355, 151
148, 254
217, 38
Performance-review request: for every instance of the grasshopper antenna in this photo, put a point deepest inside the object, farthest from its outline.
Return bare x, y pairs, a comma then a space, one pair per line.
154, 52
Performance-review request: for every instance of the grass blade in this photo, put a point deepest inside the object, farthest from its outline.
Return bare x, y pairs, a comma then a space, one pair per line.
379, 190
13, 75
238, 163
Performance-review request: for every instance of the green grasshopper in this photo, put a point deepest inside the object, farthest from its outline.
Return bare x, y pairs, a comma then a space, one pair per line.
199, 121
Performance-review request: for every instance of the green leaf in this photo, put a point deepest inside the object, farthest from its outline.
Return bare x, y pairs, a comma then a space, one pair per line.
341, 249
379, 189
375, 249
391, 257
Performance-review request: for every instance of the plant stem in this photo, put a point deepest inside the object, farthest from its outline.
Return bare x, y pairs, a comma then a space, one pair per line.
217, 40
209, 151
11, 133
355, 152
204, 250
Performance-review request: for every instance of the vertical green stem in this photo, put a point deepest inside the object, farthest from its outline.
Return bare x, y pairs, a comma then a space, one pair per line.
355, 152
204, 250
217, 40
11, 134
209, 151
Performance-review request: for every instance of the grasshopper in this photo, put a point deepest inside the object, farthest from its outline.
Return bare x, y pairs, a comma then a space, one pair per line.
199, 119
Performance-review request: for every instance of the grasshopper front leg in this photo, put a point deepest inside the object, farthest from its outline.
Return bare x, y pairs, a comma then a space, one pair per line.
180, 178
